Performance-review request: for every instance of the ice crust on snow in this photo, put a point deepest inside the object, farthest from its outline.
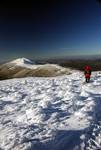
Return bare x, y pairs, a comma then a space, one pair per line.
55, 113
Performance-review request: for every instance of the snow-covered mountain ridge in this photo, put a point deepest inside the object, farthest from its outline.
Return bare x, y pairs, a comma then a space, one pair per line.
55, 113
24, 62
23, 67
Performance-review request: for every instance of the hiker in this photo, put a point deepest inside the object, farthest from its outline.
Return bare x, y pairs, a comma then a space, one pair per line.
87, 73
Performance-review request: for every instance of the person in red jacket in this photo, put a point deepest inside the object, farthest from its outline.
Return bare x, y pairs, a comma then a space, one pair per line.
87, 73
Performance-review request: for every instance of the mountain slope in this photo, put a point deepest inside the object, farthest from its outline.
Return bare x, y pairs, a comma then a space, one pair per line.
24, 68
51, 113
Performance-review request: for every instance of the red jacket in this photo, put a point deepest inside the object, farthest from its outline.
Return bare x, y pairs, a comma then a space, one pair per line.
87, 72
87, 75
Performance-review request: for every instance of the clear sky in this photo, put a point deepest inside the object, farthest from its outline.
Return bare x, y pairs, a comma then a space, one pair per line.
50, 29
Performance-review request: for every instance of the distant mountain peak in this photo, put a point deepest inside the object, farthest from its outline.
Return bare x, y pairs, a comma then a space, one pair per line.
21, 61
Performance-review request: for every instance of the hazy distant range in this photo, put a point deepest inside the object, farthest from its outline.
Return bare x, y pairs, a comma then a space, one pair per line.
60, 60
75, 62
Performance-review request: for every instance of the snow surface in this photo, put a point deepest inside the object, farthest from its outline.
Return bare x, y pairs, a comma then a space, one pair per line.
56, 113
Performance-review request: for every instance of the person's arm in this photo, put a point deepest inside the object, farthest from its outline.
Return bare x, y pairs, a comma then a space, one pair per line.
90, 72
85, 72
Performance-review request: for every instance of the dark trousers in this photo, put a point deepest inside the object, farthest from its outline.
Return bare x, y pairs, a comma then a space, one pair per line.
87, 80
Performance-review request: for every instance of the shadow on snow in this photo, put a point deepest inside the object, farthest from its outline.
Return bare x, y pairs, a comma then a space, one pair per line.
63, 140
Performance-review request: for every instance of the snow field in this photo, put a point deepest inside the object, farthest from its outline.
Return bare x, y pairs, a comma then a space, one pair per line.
50, 113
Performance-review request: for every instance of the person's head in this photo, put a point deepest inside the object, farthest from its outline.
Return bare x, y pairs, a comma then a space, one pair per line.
87, 67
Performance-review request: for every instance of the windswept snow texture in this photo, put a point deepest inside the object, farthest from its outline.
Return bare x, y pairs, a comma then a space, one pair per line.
58, 113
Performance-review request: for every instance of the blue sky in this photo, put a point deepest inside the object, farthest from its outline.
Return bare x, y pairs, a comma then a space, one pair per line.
53, 29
